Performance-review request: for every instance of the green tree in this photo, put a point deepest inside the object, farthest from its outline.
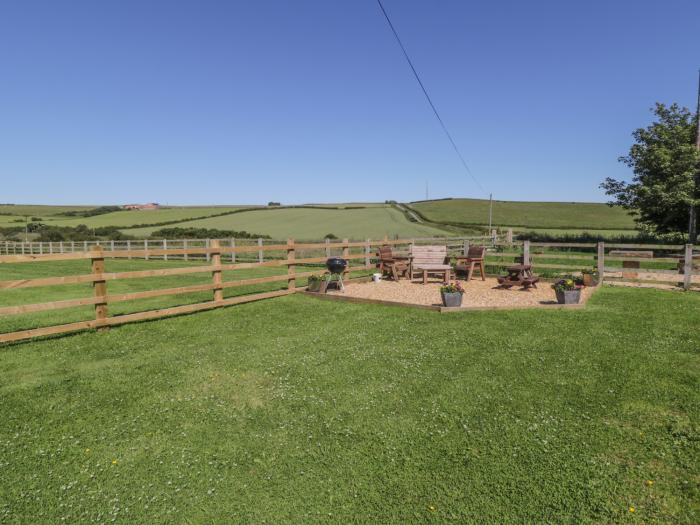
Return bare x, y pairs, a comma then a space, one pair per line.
665, 189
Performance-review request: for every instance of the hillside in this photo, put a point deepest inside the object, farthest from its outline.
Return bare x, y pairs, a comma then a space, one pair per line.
314, 223
520, 215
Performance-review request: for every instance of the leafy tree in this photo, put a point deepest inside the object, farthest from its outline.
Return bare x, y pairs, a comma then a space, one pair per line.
665, 188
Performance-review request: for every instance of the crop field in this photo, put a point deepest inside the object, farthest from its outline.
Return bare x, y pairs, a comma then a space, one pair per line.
306, 223
546, 215
38, 210
295, 410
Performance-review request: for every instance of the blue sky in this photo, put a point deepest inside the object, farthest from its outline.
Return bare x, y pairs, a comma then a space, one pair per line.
246, 102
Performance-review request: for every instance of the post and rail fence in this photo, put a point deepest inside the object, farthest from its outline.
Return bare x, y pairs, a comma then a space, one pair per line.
674, 264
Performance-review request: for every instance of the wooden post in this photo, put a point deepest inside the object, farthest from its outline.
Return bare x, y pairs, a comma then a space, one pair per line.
216, 274
165, 247
328, 248
291, 270
688, 267
145, 247
260, 252
184, 246
526, 252
207, 244
367, 253
601, 262
41, 248
99, 287
466, 247
85, 246
346, 252
111, 245
509, 236
50, 246
233, 254
72, 246
128, 247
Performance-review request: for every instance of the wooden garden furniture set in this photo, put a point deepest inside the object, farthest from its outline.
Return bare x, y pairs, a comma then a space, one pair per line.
425, 261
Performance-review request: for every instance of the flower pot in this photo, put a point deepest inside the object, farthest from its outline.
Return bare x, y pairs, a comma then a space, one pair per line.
589, 279
315, 286
568, 296
452, 299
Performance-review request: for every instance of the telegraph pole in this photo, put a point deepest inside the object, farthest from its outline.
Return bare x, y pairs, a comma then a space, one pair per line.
693, 221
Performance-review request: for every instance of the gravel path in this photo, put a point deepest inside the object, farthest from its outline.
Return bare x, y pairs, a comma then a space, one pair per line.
478, 293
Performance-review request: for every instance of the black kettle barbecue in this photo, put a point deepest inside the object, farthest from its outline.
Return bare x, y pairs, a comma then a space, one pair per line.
336, 266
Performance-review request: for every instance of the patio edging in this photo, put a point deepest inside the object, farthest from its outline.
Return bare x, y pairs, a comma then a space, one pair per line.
587, 293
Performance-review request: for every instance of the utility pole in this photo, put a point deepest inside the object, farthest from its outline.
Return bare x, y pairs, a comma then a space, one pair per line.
693, 221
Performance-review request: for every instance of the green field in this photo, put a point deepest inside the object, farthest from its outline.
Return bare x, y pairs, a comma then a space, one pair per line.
306, 223
546, 215
295, 410
38, 210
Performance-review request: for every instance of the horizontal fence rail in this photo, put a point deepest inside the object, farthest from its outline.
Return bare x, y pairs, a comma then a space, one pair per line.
653, 264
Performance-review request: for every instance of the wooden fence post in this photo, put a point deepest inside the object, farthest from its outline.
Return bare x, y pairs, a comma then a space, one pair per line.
207, 244
346, 253
99, 287
291, 269
216, 274
509, 236
145, 247
466, 247
165, 247
260, 252
688, 267
368, 250
233, 254
526, 252
328, 248
601, 262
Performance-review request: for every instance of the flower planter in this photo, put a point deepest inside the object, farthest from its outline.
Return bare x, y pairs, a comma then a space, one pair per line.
315, 286
568, 296
590, 280
453, 300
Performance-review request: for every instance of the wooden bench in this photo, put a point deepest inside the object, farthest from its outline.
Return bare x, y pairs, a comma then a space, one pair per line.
631, 265
429, 260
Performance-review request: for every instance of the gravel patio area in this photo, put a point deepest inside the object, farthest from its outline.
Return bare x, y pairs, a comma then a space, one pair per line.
478, 293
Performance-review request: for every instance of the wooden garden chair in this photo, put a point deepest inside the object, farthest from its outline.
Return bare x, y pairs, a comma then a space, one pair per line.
390, 265
429, 260
474, 259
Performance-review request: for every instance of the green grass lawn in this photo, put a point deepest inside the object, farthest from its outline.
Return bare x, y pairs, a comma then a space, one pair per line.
305, 223
544, 215
295, 410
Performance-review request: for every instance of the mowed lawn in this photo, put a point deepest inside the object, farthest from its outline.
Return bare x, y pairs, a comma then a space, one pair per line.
295, 410
308, 223
559, 215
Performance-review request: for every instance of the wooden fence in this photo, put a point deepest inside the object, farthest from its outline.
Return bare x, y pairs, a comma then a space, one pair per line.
291, 255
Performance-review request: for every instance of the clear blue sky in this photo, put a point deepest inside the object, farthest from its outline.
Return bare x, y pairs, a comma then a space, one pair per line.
246, 102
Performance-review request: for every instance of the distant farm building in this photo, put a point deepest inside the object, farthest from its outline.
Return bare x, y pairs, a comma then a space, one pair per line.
147, 206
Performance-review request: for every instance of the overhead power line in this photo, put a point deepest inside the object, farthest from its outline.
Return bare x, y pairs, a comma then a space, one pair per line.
427, 96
